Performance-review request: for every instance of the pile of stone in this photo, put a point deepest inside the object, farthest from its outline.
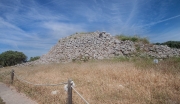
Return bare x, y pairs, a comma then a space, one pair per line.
94, 45
100, 45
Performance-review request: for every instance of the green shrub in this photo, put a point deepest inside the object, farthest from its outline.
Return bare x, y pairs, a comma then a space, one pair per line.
9, 58
172, 44
134, 38
144, 40
34, 58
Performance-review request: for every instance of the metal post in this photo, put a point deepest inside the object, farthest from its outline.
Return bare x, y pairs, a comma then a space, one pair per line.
12, 76
69, 92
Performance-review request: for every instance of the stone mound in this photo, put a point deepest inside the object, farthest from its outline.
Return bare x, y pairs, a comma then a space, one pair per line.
94, 45
100, 45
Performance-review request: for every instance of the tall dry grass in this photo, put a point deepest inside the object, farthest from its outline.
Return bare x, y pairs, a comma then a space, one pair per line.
103, 82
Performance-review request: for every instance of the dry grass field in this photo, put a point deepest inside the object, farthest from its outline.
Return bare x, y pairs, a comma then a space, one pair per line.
116, 81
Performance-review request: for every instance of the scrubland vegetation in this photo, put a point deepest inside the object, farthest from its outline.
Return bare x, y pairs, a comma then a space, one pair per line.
34, 58
111, 81
135, 38
172, 44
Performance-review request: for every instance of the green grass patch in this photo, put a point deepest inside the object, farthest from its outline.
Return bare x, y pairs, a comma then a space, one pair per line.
120, 59
134, 38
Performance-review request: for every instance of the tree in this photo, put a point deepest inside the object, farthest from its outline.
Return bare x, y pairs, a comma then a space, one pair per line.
34, 58
172, 44
10, 58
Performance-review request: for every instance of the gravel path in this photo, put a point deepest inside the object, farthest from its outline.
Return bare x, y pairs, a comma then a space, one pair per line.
11, 96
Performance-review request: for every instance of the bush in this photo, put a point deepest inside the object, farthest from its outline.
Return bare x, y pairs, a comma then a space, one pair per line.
10, 58
34, 58
172, 44
133, 38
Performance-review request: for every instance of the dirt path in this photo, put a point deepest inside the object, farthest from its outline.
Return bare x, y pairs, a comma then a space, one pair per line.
11, 96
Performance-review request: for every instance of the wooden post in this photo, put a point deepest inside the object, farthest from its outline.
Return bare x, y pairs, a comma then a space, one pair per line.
12, 76
69, 92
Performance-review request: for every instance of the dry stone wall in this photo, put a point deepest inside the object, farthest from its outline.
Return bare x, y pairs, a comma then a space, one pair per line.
100, 45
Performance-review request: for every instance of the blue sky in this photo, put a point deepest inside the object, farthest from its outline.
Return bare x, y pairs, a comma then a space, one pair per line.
34, 26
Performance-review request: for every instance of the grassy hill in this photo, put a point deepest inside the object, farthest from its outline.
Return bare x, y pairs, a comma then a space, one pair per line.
113, 81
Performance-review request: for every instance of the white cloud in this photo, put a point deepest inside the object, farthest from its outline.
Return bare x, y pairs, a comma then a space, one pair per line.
30, 25
164, 20
58, 30
32, 16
